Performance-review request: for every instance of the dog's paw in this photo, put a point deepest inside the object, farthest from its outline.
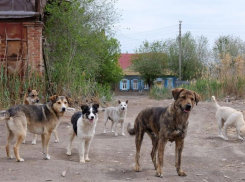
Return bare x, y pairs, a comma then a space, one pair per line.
87, 160
225, 138
123, 134
57, 141
34, 142
47, 157
159, 174
240, 138
82, 161
20, 160
104, 131
24, 142
116, 134
182, 173
137, 168
10, 157
68, 153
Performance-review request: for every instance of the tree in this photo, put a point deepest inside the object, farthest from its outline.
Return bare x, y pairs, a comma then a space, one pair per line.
224, 45
110, 71
77, 51
194, 55
150, 61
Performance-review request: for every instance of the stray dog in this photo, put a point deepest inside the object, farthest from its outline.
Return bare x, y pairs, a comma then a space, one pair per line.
116, 115
163, 125
227, 116
84, 123
31, 98
39, 119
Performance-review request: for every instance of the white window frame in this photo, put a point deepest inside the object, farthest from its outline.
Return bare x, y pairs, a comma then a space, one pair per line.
135, 84
124, 84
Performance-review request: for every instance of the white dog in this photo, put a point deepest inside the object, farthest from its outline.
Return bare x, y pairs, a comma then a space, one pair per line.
116, 115
84, 123
227, 116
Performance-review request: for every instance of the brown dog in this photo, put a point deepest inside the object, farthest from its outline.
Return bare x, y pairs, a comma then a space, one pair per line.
163, 125
38, 119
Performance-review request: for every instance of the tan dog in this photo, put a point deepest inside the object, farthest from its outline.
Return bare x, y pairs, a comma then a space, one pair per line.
163, 125
39, 119
31, 98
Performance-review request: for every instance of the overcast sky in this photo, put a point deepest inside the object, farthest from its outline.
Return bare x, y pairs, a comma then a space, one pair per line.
159, 20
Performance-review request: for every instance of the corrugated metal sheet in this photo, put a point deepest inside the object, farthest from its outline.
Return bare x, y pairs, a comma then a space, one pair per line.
13, 47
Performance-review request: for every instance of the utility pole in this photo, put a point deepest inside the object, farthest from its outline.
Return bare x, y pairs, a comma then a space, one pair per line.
180, 50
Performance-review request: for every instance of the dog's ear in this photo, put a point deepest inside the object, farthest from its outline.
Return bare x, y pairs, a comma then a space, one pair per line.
69, 100
96, 106
176, 92
53, 98
119, 102
126, 101
197, 97
84, 108
29, 90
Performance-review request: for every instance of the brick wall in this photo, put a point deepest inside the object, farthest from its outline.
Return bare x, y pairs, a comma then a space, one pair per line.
34, 42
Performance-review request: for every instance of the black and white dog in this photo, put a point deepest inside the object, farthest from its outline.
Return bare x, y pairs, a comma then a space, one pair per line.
84, 123
116, 115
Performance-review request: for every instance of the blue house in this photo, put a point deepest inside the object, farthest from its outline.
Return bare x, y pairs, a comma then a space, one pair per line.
133, 81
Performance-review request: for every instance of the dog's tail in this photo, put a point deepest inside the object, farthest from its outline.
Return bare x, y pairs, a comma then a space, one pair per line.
130, 130
216, 105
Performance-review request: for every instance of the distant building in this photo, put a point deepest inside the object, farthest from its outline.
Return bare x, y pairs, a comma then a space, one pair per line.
133, 81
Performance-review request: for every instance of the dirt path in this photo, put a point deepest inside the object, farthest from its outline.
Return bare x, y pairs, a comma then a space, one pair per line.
206, 158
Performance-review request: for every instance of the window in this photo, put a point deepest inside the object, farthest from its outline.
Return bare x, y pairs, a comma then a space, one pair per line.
124, 84
135, 84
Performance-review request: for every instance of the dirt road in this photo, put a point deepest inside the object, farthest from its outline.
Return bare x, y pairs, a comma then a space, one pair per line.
206, 158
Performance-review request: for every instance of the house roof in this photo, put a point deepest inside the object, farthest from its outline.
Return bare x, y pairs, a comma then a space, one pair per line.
129, 71
21, 9
124, 60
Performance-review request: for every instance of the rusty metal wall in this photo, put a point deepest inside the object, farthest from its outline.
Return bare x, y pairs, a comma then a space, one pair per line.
13, 47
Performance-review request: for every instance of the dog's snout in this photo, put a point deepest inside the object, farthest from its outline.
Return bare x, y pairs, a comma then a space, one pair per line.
188, 106
123, 108
37, 100
63, 109
92, 117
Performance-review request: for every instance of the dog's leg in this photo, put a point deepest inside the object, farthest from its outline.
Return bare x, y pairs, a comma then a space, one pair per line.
220, 126
138, 142
81, 145
72, 136
45, 143
10, 138
87, 146
20, 139
225, 131
154, 148
34, 141
112, 126
105, 121
56, 136
161, 147
238, 135
179, 145
122, 126
116, 122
